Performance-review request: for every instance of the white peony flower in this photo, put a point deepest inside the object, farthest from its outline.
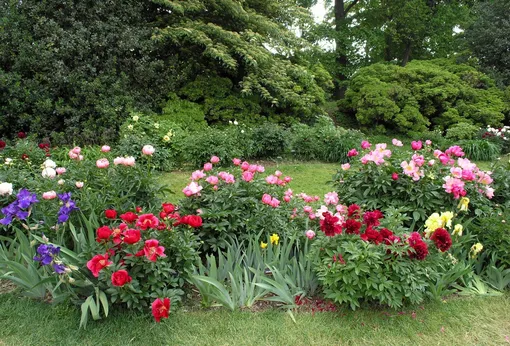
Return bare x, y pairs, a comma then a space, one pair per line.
5, 189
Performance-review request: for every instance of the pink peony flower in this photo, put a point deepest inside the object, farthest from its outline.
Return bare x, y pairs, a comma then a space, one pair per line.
286, 198
394, 176
428, 142
49, 195
215, 159
456, 172
208, 166
287, 179
148, 150
79, 184
345, 166
274, 203
102, 163
432, 162
245, 166
260, 169
489, 192
105, 148
80, 157
365, 145
352, 153
60, 170
129, 161
419, 160
236, 162
197, 175
76, 150
266, 199
118, 161
271, 179
278, 173
468, 175
396, 142
416, 145
252, 168
307, 209
212, 179
247, 176
454, 186
310, 234
192, 189
331, 198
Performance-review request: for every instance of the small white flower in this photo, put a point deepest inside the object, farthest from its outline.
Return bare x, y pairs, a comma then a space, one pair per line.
8, 161
136, 118
236, 123
130, 127
5, 189
49, 164
156, 125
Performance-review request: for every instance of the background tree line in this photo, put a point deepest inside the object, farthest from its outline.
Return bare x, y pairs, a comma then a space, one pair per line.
75, 70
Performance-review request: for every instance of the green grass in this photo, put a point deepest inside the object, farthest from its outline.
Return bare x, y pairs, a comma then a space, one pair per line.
311, 178
475, 321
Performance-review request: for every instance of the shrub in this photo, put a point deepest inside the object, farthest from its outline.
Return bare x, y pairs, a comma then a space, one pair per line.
242, 203
419, 181
461, 131
422, 95
360, 261
269, 141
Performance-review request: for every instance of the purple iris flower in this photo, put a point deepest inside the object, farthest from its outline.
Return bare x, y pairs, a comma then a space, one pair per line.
59, 268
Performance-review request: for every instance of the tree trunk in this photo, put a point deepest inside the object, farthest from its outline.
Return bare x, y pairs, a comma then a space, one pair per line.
407, 54
340, 50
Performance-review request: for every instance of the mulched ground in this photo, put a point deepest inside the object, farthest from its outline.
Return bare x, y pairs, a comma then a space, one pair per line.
6, 286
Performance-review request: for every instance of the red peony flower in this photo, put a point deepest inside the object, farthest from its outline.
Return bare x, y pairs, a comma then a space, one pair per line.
394, 176
353, 211
330, 225
131, 236
372, 235
129, 217
194, 221
138, 209
168, 208
152, 250
22, 135
2, 144
160, 308
371, 218
162, 214
442, 239
421, 250
24, 157
103, 234
413, 238
352, 226
97, 263
120, 278
161, 226
110, 214
147, 221
117, 233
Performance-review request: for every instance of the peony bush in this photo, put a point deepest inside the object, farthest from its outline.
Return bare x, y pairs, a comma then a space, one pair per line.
418, 181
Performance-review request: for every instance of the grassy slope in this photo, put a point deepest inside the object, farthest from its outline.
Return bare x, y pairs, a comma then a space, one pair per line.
476, 321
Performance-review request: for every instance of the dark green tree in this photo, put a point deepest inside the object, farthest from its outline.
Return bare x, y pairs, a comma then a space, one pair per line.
489, 38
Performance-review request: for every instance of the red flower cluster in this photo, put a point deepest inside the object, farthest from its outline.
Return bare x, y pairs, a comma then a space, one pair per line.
442, 239
352, 226
354, 211
421, 249
330, 225
2, 144
110, 214
371, 218
194, 221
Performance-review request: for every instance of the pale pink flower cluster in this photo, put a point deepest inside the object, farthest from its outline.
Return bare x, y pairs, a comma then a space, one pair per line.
105, 148
49, 195
377, 156
345, 166
75, 154
275, 179
124, 161
197, 175
227, 177
269, 200
60, 170
412, 170
102, 163
246, 166
288, 195
212, 179
331, 198
455, 186
466, 171
148, 150
192, 189
79, 184
308, 199
396, 142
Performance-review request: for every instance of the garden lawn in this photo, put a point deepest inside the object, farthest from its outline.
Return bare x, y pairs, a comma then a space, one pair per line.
311, 178
459, 321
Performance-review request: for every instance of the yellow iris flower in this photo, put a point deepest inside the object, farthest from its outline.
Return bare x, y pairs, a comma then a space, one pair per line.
463, 204
274, 239
263, 245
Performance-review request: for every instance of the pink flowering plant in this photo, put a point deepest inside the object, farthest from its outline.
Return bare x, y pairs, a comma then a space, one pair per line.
418, 179
243, 201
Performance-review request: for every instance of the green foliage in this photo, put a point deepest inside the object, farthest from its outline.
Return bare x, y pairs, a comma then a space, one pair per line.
488, 38
436, 93
269, 141
480, 150
462, 131
322, 141
188, 115
67, 69
373, 273
493, 233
